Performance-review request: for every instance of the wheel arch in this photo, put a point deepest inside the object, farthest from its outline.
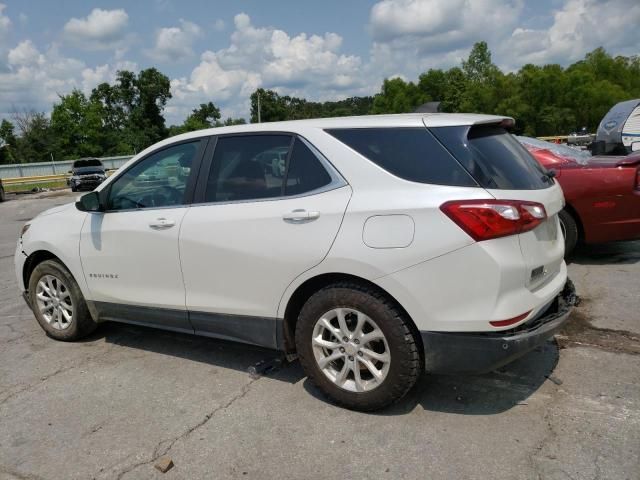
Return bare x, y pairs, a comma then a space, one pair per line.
310, 286
32, 262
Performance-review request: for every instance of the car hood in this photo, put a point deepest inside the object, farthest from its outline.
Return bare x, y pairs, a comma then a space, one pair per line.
58, 209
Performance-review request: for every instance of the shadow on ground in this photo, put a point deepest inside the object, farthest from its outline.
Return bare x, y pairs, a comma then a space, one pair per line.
487, 394
219, 353
623, 253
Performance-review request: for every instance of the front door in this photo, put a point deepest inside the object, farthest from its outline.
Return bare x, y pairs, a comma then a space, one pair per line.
259, 228
129, 253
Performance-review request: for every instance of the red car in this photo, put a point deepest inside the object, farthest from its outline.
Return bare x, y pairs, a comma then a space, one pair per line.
602, 192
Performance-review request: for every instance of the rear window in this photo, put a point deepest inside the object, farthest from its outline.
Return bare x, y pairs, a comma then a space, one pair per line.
409, 153
493, 157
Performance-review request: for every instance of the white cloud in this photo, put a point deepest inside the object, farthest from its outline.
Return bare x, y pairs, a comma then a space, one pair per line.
91, 77
175, 43
25, 54
5, 22
35, 78
100, 30
578, 27
301, 65
414, 35
219, 25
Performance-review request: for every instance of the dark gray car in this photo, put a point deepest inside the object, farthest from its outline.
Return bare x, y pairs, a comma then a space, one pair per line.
86, 174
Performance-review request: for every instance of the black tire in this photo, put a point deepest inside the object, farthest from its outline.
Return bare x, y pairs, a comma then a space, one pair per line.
74, 189
81, 324
2, 195
405, 366
570, 231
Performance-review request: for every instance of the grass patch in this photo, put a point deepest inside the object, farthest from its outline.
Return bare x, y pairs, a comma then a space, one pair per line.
27, 187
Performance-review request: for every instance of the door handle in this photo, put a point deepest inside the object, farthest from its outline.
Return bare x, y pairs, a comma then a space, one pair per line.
300, 216
161, 223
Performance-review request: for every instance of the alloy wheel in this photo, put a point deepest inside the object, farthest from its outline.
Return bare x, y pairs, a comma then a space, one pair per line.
53, 300
351, 350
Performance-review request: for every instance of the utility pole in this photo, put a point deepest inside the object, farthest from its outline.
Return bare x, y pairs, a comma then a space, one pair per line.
258, 107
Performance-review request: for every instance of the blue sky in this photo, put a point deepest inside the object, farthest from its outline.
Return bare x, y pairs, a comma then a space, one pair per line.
222, 51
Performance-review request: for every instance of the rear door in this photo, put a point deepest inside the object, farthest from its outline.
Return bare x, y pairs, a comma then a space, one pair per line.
501, 165
258, 227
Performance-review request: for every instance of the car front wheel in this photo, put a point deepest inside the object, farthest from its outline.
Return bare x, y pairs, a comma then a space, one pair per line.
57, 302
357, 347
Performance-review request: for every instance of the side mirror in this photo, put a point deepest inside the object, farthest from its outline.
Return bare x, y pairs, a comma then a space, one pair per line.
70, 171
89, 202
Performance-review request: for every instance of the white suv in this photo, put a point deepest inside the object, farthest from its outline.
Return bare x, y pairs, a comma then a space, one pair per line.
388, 245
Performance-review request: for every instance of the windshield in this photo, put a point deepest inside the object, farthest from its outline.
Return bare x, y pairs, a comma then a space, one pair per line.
579, 156
87, 163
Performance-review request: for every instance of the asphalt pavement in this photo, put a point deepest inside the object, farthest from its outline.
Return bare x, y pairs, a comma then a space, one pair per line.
114, 404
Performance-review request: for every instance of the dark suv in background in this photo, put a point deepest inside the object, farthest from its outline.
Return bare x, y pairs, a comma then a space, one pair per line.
86, 174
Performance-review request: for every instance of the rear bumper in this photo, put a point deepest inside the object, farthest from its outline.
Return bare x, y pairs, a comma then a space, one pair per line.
479, 352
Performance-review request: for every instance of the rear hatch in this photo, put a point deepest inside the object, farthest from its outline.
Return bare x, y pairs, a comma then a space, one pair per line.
505, 169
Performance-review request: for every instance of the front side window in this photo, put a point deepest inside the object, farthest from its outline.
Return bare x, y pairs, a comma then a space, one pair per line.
159, 180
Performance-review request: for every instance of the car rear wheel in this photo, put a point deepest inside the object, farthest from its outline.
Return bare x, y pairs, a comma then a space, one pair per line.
57, 302
357, 347
2, 196
569, 229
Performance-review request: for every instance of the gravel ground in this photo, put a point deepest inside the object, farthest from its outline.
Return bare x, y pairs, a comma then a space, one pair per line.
112, 405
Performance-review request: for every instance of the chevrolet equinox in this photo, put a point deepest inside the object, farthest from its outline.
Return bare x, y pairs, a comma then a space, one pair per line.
380, 247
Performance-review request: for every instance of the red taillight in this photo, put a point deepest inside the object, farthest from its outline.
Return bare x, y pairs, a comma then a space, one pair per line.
486, 219
511, 321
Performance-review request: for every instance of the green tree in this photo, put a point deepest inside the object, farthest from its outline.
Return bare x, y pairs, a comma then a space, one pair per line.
132, 110
273, 107
8, 142
398, 96
35, 141
77, 125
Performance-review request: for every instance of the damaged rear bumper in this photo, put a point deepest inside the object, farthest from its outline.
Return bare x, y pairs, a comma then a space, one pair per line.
480, 352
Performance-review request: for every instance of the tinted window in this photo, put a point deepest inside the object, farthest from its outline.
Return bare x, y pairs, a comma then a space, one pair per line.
409, 153
494, 157
159, 180
248, 167
305, 171
94, 162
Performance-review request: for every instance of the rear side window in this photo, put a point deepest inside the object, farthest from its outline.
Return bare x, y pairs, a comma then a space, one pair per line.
247, 167
494, 157
305, 172
409, 153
